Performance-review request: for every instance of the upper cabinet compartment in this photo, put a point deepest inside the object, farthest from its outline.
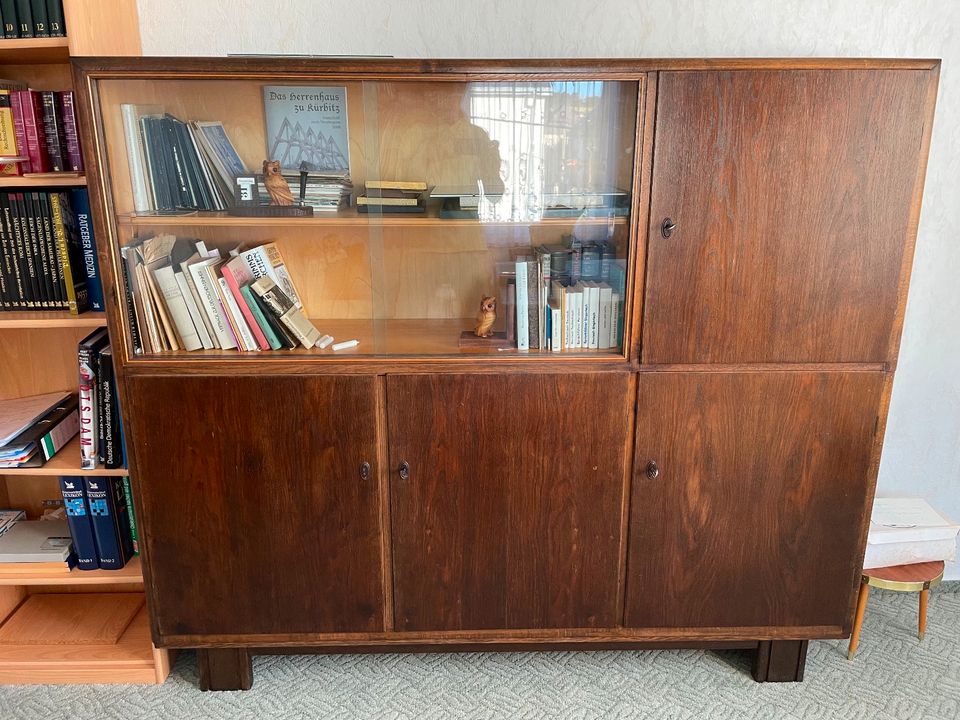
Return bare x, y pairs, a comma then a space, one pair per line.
430, 206
783, 203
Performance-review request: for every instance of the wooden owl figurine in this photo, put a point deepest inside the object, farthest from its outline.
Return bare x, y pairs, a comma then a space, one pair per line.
277, 187
486, 317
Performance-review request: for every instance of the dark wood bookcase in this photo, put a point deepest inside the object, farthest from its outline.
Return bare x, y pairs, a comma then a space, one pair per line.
705, 483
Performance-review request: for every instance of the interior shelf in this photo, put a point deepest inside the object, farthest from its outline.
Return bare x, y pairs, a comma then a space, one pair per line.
131, 574
43, 180
34, 51
348, 217
40, 319
65, 462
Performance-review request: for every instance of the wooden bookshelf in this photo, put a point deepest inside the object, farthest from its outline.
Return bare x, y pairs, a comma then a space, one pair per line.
43, 180
34, 51
130, 574
40, 320
65, 462
38, 354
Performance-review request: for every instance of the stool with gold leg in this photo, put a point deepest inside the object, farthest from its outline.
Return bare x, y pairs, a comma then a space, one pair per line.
916, 577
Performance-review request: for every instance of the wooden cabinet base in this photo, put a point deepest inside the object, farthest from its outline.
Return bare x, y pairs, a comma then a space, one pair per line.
780, 660
225, 669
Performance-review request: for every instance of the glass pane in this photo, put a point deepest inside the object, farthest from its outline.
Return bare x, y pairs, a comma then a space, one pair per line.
406, 215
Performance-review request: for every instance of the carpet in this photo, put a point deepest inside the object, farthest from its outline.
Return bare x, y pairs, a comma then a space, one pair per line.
893, 676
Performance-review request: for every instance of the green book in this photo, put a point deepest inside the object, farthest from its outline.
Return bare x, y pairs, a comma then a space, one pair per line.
128, 493
268, 332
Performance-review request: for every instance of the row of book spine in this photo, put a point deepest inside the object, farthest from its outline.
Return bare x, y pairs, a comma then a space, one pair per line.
48, 258
102, 521
39, 127
101, 428
32, 18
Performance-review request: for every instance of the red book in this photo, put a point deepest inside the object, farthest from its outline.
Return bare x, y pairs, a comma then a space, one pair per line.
31, 105
74, 159
18, 132
236, 273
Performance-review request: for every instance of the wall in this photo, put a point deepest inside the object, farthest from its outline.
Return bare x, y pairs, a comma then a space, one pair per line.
922, 450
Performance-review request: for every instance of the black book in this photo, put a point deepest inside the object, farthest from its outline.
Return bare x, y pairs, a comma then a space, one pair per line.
41, 28
285, 337
195, 179
111, 448
156, 163
11, 251
24, 19
7, 297
8, 11
55, 18
56, 267
56, 136
130, 305
70, 253
42, 258
26, 224
179, 185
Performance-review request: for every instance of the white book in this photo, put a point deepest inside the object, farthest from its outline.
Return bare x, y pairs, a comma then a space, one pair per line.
198, 300
614, 318
177, 308
211, 303
576, 309
523, 299
556, 326
136, 157
195, 313
266, 261
246, 337
593, 316
606, 296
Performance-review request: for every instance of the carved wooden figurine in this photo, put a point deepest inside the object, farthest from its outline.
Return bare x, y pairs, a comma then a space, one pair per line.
486, 317
277, 187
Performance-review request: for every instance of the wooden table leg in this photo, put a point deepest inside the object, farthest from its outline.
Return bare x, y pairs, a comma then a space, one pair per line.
924, 599
858, 620
225, 669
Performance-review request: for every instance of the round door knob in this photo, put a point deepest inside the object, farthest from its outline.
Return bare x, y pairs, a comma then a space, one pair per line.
653, 470
667, 227
404, 470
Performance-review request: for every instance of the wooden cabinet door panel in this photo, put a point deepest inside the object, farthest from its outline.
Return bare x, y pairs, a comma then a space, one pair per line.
792, 194
255, 517
755, 516
511, 515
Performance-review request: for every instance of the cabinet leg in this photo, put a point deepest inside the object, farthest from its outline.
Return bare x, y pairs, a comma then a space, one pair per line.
858, 620
780, 660
225, 669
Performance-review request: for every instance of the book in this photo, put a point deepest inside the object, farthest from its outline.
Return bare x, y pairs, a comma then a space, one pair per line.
273, 339
592, 317
55, 18
266, 261
235, 273
44, 542
50, 432
70, 253
556, 325
80, 202
196, 314
176, 307
19, 133
8, 11
307, 124
39, 11
140, 177
73, 156
88, 360
111, 523
412, 185
212, 306
8, 136
235, 316
17, 415
9, 518
284, 309
111, 451
24, 19
53, 130
134, 533
523, 330
31, 111
80, 522
534, 328
287, 339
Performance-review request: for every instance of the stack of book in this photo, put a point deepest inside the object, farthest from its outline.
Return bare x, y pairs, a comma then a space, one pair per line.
9, 518
32, 546
32, 18
38, 131
181, 295
102, 523
324, 192
176, 165
48, 255
566, 297
393, 196
34, 428
101, 429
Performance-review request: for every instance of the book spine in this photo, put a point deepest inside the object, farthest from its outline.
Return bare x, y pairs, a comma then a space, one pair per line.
212, 307
55, 18
77, 297
111, 527
523, 332
89, 441
11, 265
32, 240
533, 304
8, 10
193, 309
73, 156
131, 512
31, 106
8, 135
283, 308
39, 10
20, 246
19, 131
24, 19
57, 437
266, 261
53, 131
80, 522
616, 336
91, 267
287, 339
112, 455
261, 319
252, 323
202, 317
47, 250
177, 308
556, 324
10, 301
594, 319
511, 308
236, 317
133, 318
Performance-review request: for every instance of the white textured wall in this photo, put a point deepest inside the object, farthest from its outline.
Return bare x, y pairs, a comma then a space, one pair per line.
922, 450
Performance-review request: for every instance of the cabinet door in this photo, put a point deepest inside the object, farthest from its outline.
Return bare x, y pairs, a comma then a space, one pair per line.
256, 519
755, 517
792, 193
511, 514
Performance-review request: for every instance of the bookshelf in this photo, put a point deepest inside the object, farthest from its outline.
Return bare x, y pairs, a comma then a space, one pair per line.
38, 351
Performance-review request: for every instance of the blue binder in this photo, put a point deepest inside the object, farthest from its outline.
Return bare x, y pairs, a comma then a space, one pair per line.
111, 524
79, 522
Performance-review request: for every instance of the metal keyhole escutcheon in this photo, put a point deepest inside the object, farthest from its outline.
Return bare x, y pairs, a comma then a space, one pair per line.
404, 470
365, 471
667, 227
653, 470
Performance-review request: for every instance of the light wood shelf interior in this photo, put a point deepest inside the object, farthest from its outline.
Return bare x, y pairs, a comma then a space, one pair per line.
65, 462
45, 180
129, 574
40, 320
23, 51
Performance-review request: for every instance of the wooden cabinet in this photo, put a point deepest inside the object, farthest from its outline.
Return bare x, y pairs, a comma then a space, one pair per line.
792, 192
744, 487
257, 518
509, 515
755, 221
